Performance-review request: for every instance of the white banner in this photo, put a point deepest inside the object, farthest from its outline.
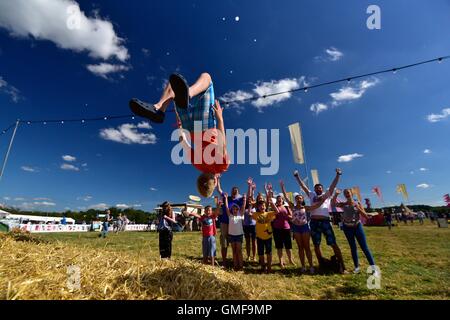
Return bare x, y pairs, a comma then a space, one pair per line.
56, 227
296, 142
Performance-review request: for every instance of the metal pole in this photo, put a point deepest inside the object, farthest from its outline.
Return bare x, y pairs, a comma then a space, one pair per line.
9, 149
306, 165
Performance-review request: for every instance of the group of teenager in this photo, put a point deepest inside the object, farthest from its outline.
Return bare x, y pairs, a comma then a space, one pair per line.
253, 216
263, 219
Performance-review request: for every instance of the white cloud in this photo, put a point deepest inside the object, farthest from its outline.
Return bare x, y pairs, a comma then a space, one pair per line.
69, 167
389, 172
9, 90
44, 204
40, 199
137, 205
105, 69
53, 20
153, 189
265, 89
99, 206
84, 165
127, 133
349, 93
427, 151
318, 107
69, 158
349, 157
334, 54
423, 186
85, 198
6, 198
144, 125
439, 117
122, 206
19, 199
423, 169
330, 54
28, 169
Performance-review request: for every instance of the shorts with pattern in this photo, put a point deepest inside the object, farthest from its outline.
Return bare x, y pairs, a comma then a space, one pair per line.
199, 109
322, 226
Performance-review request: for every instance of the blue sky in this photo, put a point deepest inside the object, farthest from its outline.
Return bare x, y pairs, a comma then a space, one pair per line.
49, 71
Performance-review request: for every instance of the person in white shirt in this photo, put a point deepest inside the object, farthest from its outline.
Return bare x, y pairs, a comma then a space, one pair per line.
320, 218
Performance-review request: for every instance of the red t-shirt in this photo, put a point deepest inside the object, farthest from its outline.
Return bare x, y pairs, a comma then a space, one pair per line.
208, 225
206, 155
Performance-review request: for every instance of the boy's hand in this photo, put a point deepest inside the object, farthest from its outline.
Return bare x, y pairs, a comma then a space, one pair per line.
339, 172
337, 192
296, 173
250, 181
218, 110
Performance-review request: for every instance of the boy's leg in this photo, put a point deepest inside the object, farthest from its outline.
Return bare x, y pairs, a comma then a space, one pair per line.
200, 86
166, 98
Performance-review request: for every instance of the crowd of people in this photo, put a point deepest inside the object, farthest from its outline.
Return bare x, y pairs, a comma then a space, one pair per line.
256, 221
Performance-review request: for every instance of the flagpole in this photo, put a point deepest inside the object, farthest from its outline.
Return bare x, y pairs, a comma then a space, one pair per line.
304, 157
9, 149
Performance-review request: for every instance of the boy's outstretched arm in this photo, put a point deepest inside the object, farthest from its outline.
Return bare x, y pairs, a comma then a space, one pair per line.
218, 110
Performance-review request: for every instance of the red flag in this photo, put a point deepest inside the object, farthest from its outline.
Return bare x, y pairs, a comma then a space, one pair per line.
447, 199
377, 191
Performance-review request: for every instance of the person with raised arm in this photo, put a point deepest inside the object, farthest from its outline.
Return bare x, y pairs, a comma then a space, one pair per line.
320, 218
353, 228
300, 227
250, 223
208, 222
235, 230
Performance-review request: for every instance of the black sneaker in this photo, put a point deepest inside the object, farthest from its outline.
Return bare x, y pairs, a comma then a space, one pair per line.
146, 110
181, 89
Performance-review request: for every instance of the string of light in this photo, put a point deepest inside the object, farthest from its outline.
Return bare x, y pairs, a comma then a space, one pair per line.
238, 101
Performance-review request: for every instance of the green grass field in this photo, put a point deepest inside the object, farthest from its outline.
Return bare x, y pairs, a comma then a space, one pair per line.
414, 261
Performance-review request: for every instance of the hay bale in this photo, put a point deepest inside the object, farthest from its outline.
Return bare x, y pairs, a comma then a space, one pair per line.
30, 270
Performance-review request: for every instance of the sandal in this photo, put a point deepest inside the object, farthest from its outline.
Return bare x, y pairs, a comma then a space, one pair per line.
146, 110
181, 89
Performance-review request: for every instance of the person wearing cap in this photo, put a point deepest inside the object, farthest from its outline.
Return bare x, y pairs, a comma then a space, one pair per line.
165, 230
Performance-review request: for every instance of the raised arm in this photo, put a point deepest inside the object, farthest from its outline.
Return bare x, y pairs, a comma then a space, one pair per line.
334, 202
269, 195
219, 187
300, 182
316, 205
335, 181
244, 204
250, 187
225, 203
283, 189
361, 210
170, 219
220, 126
195, 215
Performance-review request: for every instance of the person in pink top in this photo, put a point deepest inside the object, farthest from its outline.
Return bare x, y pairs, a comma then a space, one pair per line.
282, 229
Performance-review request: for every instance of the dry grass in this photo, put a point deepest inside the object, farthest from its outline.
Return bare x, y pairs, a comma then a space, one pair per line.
32, 270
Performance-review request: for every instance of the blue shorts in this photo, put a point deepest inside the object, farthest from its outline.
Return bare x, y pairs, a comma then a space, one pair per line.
264, 244
301, 229
322, 226
209, 246
250, 231
239, 238
199, 109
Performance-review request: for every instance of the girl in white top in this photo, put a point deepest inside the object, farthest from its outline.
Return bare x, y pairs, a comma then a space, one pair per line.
236, 230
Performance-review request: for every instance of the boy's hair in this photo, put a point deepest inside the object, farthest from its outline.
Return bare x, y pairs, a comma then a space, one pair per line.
208, 207
206, 184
